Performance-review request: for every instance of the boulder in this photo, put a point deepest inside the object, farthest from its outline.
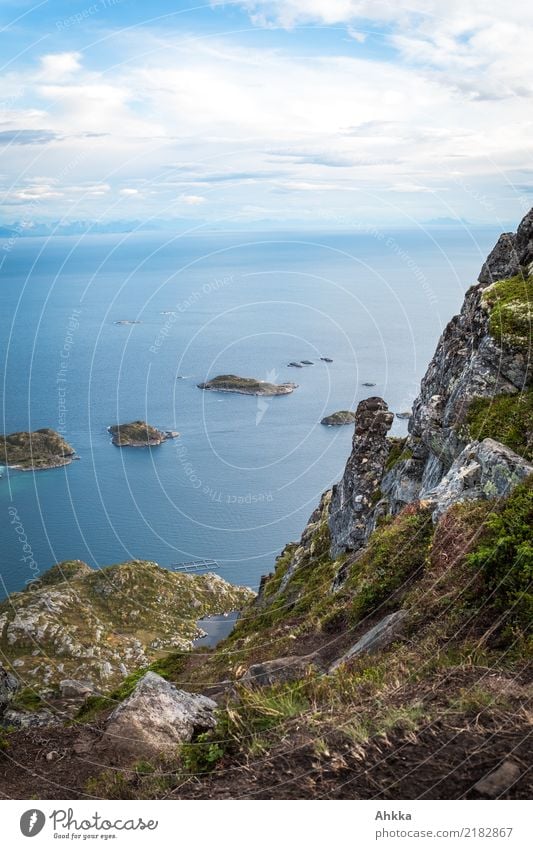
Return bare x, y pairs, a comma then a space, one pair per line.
156, 718
482, 470
279, 670
377, 638
8, 687
72, 689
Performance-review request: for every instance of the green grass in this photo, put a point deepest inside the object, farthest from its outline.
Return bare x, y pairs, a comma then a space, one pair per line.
504, 558
397, 550
505, 418
397, 453
510, 302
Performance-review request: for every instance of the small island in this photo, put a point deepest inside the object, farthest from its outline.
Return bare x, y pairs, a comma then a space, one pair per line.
139, 434
40, 449
342, 417
126, 321
246, 385
326, 359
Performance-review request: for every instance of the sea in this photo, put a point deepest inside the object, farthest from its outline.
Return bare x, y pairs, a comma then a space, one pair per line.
246, 472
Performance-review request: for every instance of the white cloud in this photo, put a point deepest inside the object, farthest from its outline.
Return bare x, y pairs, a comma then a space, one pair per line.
257, 127
60, 66
192, 200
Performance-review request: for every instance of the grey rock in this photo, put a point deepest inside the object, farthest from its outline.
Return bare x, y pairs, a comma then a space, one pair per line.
279, 670
483, 470
402, 484
498, 782
72, 689
502, 261
156, 718
9, 685
524, 239
379, 637
30, 719
350, 512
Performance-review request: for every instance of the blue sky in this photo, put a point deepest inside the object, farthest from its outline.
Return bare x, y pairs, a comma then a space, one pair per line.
330, 113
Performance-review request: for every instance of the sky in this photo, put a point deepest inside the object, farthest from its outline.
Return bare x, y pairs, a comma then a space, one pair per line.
338, 113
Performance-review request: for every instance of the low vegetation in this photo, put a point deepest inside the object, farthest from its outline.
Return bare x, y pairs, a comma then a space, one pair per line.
505, 418
510, 302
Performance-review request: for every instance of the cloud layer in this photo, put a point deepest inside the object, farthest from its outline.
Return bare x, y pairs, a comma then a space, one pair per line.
423, 112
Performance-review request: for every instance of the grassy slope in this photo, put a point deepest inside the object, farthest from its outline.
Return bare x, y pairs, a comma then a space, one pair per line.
464, 664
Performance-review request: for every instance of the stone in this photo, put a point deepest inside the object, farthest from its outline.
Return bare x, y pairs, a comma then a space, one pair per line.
278, 671
499, 781
155, 719
9, 685
483, 470
379, 637
72, 689
31, 719
350, 512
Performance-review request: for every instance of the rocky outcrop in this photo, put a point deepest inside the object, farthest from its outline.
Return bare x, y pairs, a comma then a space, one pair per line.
482, 470
469, 362
156, 719
379, 637
354, 497
502, 261
98, 625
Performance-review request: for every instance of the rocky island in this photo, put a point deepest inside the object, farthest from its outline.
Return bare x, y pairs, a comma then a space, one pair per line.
97, 625
139, 434
246, 385
341, 417
39, 449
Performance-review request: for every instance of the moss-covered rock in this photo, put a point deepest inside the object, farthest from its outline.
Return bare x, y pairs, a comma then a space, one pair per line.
40, 449
505, 418
510, 303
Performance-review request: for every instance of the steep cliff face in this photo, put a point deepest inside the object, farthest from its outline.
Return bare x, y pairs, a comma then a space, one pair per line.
354, 497
482, 364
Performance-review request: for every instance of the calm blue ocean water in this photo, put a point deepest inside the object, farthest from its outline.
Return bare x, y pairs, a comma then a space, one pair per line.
246, 473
